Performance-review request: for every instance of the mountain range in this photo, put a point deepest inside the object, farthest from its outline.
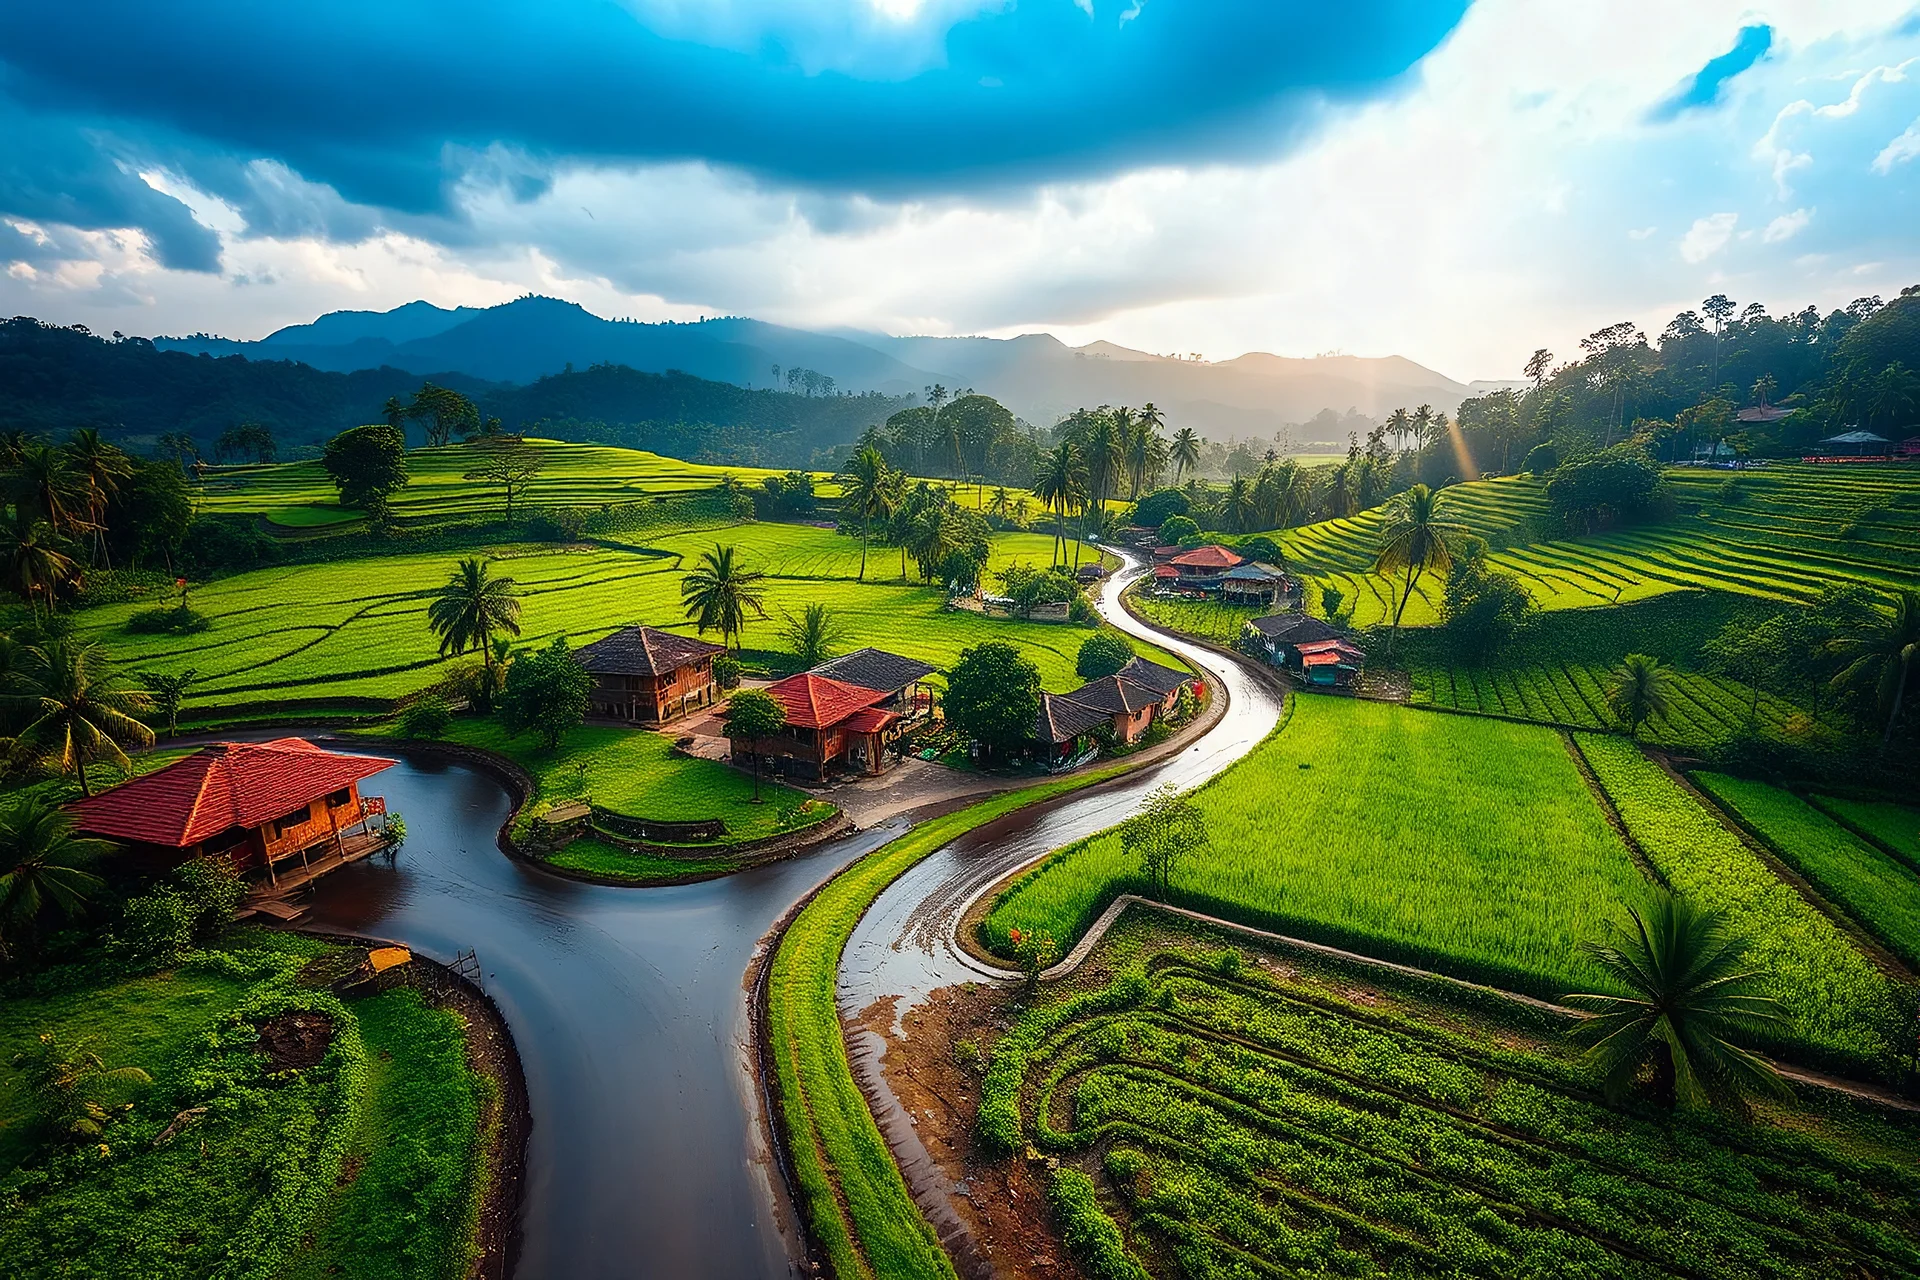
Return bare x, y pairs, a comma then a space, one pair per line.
1036, 375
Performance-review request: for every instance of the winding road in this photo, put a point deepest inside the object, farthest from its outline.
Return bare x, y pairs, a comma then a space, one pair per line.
647, 1155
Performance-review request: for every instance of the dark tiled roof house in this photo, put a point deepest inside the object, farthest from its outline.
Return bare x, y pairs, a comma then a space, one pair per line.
647, 675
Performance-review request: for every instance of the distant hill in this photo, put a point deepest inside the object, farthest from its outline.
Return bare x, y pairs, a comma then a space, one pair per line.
1036, 375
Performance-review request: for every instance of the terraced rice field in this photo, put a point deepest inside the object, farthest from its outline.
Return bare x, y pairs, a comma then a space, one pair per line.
1472, 846
1893, 827
1832, 992
1780, 533
1214, 1118
1208, 619
357, 628
1876, 890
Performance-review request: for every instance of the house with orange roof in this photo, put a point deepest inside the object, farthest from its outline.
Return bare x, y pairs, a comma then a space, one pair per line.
832, 726
256, 804
1204, 568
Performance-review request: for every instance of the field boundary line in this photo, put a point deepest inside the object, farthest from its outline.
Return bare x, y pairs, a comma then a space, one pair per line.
1612, 813
1866, 837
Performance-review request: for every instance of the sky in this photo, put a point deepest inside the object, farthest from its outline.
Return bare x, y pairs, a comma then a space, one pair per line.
1455, 181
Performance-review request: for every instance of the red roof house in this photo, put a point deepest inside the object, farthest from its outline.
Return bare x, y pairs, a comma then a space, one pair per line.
1204, 568
829, 723
256, 803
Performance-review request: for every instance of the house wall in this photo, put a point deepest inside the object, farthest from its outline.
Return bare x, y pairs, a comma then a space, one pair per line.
654, 698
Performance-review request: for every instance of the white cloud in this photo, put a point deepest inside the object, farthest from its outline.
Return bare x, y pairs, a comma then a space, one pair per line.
1787, 225
1900, 150
1707, 236
1641, 233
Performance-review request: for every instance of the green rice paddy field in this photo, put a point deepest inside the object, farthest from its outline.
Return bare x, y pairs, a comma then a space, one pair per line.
1210, 1113
357, 628
1780, 533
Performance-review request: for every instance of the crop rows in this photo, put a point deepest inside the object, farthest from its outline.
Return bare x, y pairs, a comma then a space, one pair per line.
1468, 845
1893, 827
1873, 888
1246, 1128
1833, 995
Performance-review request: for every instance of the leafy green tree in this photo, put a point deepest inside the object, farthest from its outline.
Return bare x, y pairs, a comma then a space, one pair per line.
1541, 460
1483, 608
1599, 490
44, 868
1153, 510
546, 690
1168, 827
756, 715
718, 593
46, 486
1102, 654
168, 693
467, 612
1880, 657
509, 463
445, 411
1175, 529
253, 439
1690, 994
79, 710
993, 696
812, 633
1414, 542
1638, 690
68, 1082
367, 464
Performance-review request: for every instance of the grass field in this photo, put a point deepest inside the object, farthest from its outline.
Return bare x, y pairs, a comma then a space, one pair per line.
1875, 890
1468, 845
1217, 1115
1780, 533
254, 1189
1834, 995
1207, 619
357, 628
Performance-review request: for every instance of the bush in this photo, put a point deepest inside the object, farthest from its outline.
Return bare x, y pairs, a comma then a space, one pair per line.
726, 671
1541, 459
1152, 511
176, 620
1102, 654
190, 906
557, 524
426, 718
1091, 1236
1174, 528
1262, 548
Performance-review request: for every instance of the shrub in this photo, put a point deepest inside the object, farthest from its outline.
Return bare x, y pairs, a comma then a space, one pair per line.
557, 524
726, 671
1102, 654
1091, 1236
1174, 528
426, 718
1152, 511
168, 619
1541, 459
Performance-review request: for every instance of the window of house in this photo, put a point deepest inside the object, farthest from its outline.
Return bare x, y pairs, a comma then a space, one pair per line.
340, 797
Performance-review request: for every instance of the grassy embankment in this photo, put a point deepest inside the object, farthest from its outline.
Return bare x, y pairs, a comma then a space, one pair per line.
855, 1201
255, 1186
1215, 1113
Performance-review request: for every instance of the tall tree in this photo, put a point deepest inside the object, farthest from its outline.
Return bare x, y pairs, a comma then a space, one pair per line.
80, 711
1880, 657
46, 484
756, 715
169, 693
34, 568
1638, 690
367, 465
1717, 308
44, 867
865, 495
993, 696
1414, 542
100, 468
1168, 828
546, 690
470, 608
509, 463
1185, 453
719, 592
1061, 483
1538, 365
1689, 994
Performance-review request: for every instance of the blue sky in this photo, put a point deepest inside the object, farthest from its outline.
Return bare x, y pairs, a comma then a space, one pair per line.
1457, 183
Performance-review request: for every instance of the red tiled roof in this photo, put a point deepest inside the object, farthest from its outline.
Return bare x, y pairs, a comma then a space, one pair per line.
1207, 557
227, 784
1329, 646
1165, 571
816, 702
1329, 658
871, 720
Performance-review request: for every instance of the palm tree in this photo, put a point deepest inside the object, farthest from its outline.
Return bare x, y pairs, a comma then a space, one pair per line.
866, 494
82, 711
1880, 656
43, 866
1414, 542
1061, 483
812, 632
1637, 691
169, 693
1239, 509
65, 1081
100, 468
718, 593
1689, 993
34, 569
1000, 503
1146, 455
48, 486
1185, 452
470, 608
1398, 424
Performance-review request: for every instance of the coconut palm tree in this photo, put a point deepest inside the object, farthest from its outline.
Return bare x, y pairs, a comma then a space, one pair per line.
473, 605
718, 593
66, 1082
1398, 424
1000, 503
1185, 452
1638, 690
1880, 658
43, 867
1061, 484
79, 710
100, 468
34, 569
46, 485
1239, 509
812, 632
866, 494
1689, 993
1413, 542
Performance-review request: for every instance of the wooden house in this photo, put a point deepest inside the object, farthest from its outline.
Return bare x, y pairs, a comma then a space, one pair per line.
1063, 732
902, 679
831, 727
1330, 664
1251, 582
257, 804
1273, 638
1204, 568
648, 676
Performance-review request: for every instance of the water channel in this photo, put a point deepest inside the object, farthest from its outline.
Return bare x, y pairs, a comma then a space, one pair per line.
628, 1007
